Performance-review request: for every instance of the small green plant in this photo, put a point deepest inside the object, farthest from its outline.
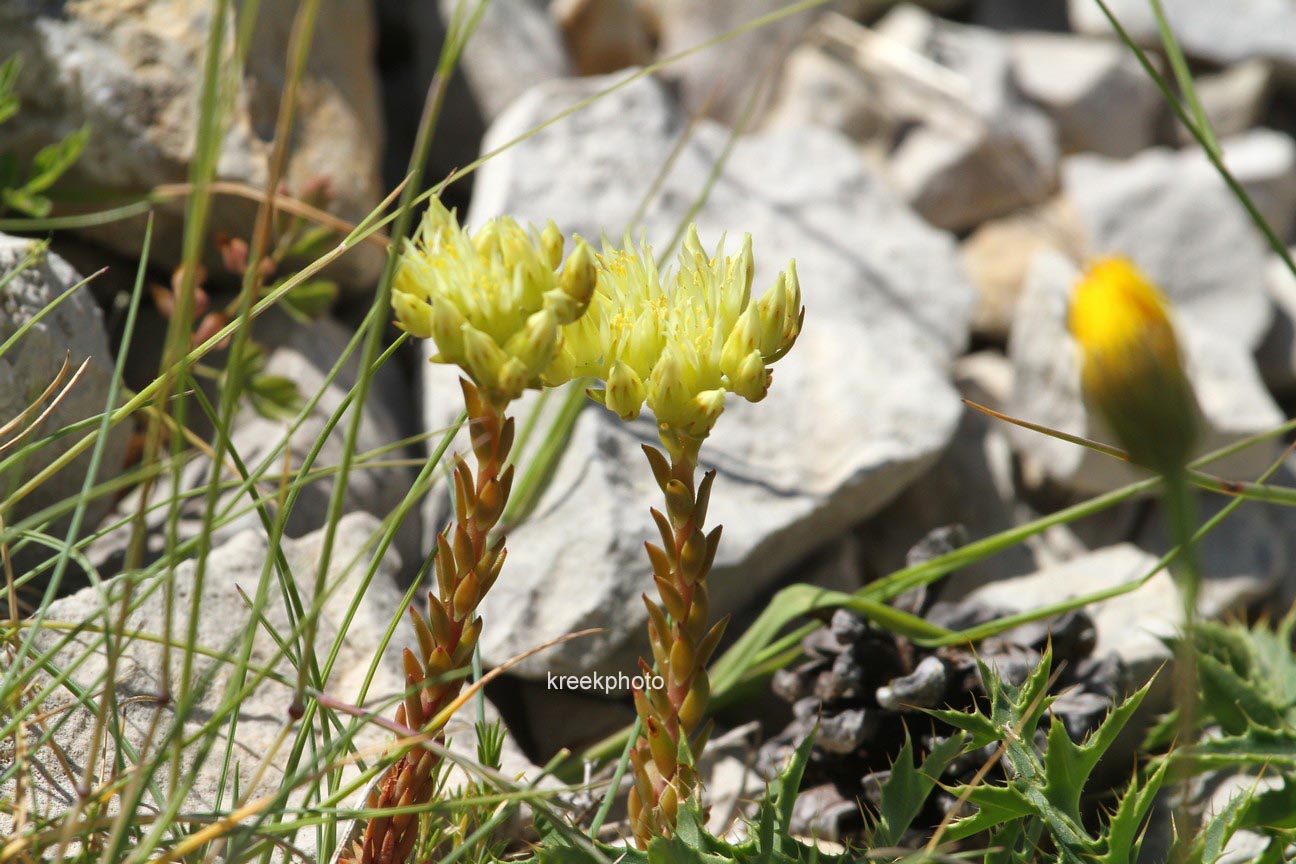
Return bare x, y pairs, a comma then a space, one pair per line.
21, 190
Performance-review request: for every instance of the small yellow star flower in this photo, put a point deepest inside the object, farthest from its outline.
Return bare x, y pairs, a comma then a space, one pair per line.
679, 341
494, 303
1131, 369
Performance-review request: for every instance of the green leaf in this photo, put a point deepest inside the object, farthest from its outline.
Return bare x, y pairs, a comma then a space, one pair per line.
1068, 766
1233, 702
1257, 746
52, 161
996, 805
9, 101
33, 205
311, 243
310, 300
1126, 825
906, 791
274, 397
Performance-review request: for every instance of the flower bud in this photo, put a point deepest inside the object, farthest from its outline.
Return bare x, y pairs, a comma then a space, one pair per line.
447, 329
1131, 370
535, 343
551, 245
413, 313
579, 276
625, 392
484, 358
707, 407
744, 338
667, 396
512, 379
752, 379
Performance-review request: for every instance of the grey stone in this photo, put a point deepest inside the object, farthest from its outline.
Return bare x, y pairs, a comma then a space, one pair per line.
1046, 383
1130, 625
860, 407
225, 617
1263, 161
718, 81
516, 45
132, 71
1095, 91
817, 87
922, 688
304, 354
979, 150
1205, 29
74, 330
1234, 99
1277, 353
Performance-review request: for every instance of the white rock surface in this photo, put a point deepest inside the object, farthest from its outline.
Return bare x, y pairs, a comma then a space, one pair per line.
998, 254
858, 410
1234, 99
1046, 386
225, 617
970, 485
1097, 94
74, 329
978, 150
304, 354
1206, 29
1263, 161
819, 88
718, 81
133, 71
1129, 625
515, 46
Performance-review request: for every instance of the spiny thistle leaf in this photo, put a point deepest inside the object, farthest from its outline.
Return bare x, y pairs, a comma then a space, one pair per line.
905, 791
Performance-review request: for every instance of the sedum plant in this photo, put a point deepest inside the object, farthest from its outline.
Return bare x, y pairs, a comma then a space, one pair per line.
495, 304
678, 342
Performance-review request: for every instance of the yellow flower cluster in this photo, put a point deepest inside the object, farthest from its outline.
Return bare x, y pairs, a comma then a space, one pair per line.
678, 342
1131, 368
495, 303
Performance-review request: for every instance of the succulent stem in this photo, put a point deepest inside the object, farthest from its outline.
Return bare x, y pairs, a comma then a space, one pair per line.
467, 563
673, 735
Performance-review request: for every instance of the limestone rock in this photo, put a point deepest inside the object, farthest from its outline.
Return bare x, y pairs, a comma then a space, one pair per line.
1206, 29
997, 256
1097, 94
262, 713
718, 81
1234, 99
304, 355
859, 408
978, 150
515, 46
132, 71
73, 329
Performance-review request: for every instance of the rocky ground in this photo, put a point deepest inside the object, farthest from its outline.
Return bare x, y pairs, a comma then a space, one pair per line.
939, 171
